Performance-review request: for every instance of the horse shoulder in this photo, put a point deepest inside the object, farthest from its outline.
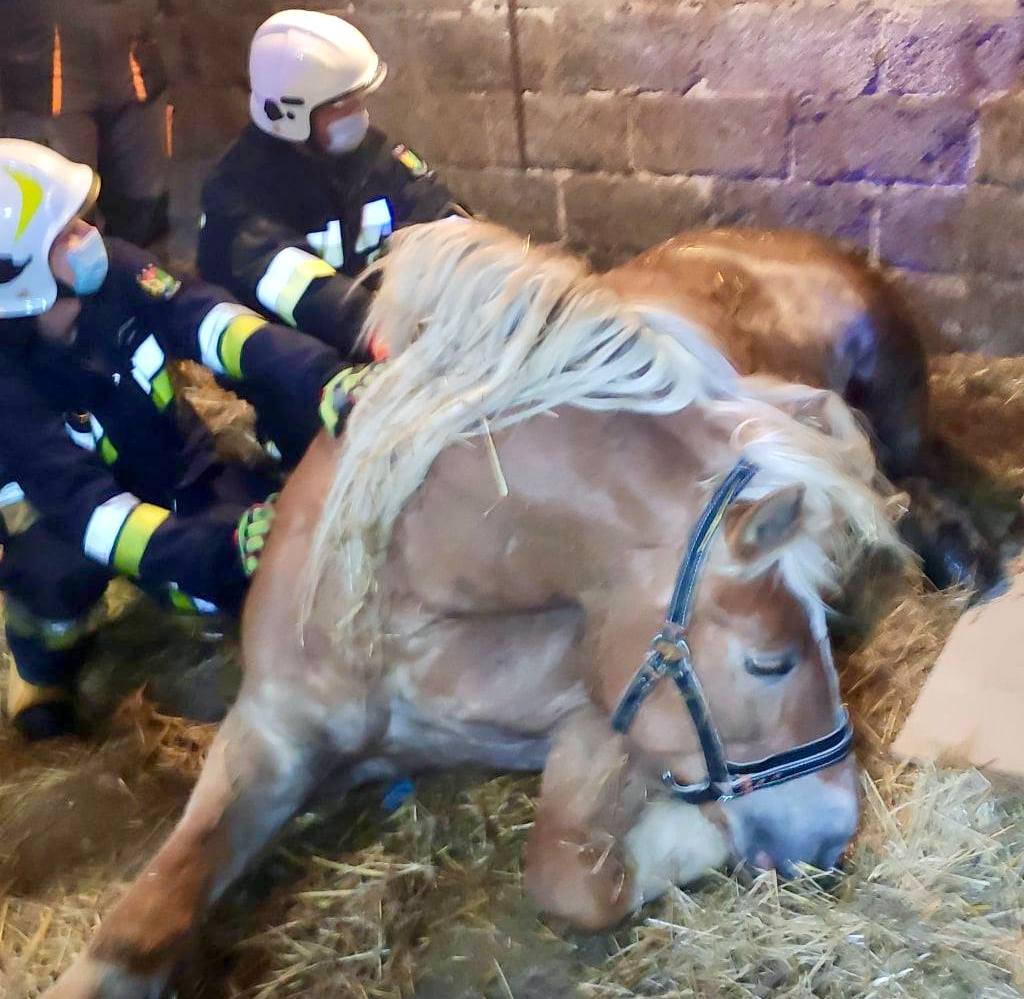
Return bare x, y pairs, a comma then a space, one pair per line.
291, 664
574, 863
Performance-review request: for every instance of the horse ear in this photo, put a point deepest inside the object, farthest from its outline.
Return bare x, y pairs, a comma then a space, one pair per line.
756, 528
821, 409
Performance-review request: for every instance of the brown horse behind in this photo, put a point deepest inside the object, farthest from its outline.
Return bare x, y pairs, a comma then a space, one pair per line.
802, 308
475, 572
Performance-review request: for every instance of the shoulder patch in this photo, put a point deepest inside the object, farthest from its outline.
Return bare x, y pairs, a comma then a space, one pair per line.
157, 283
410, 161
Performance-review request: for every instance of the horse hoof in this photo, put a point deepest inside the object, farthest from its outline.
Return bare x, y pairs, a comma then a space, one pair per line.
88, 978
953, 552
976, 569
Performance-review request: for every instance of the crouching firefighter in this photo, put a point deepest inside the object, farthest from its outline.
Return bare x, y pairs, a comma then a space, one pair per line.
308, 194
121, 481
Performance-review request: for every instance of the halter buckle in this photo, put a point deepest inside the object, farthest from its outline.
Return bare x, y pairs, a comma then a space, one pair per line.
670, 644
705, 793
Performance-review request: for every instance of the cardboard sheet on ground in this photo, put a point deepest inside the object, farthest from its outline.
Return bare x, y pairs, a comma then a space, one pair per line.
971, 709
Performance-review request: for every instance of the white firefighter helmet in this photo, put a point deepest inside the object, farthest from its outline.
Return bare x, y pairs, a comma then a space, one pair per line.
40, 193
301, 59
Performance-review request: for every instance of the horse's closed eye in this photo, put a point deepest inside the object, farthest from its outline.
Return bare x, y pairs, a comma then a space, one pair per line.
771, 666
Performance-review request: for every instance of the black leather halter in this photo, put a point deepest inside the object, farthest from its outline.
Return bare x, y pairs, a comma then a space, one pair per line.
669, 656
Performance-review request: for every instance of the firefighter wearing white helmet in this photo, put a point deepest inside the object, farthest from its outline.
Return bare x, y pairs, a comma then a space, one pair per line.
119, 482
308, 194
301, 60
40, 193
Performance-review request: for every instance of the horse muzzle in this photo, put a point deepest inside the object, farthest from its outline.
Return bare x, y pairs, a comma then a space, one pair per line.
809, 821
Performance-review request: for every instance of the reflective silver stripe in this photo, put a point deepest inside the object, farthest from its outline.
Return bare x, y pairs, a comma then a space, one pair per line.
82, 438
287, 278
147, 361
97, 428
212, 328
57, 629
105, 525
376, 225
328, 244
10, 494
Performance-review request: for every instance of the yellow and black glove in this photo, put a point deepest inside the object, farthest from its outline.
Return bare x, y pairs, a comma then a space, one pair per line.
252, 531
342, 392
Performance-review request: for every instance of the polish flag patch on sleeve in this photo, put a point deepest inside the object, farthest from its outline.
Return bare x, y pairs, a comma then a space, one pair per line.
155, 281
410, 161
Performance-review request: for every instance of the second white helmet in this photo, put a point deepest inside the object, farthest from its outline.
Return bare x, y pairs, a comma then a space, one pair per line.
301, 59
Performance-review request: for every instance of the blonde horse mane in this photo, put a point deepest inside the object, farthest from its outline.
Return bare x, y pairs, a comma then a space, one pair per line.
485, 332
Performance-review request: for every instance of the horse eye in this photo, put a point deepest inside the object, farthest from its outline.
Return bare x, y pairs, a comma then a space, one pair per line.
771, 666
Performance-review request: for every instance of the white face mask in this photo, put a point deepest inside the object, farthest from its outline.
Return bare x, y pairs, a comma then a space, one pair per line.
346, 134
88, 263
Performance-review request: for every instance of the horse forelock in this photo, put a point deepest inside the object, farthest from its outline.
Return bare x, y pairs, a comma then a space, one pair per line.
845, 510
485, 332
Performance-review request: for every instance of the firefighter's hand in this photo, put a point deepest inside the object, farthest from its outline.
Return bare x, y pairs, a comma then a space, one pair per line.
252, 531
341, 393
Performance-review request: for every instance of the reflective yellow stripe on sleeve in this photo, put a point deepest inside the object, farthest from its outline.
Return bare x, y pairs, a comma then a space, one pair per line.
222, 334
136, 531
102, 442
161, 390
55, 635
287, 279
233, 340
185, 604
104, 527
149, 369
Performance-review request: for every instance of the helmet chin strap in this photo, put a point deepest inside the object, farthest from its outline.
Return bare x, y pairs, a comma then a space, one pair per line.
59, 323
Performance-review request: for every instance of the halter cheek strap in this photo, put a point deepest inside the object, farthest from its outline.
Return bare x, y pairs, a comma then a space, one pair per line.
669, 656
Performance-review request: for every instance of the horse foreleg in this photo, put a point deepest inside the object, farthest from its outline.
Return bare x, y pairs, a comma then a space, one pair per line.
575, 866
257, 774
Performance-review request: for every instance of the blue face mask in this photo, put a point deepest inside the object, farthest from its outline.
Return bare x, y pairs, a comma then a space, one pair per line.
88, 263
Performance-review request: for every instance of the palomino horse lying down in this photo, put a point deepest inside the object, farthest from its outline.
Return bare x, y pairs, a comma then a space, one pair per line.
802, 308
546, 475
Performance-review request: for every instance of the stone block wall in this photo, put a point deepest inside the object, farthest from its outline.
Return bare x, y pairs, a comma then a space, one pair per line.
895, 124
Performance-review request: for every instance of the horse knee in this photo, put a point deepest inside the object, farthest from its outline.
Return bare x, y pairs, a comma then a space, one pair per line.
354, 726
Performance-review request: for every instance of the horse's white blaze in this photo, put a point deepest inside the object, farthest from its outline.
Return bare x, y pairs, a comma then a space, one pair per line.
671, 844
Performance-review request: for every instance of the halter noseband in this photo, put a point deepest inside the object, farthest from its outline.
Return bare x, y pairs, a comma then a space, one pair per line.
669, 656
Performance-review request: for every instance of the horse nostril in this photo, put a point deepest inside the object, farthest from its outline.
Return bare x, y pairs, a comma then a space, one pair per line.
830, 854
764, 860
767, 853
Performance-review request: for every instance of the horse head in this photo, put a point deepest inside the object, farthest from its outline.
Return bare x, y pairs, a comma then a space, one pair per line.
737, 708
